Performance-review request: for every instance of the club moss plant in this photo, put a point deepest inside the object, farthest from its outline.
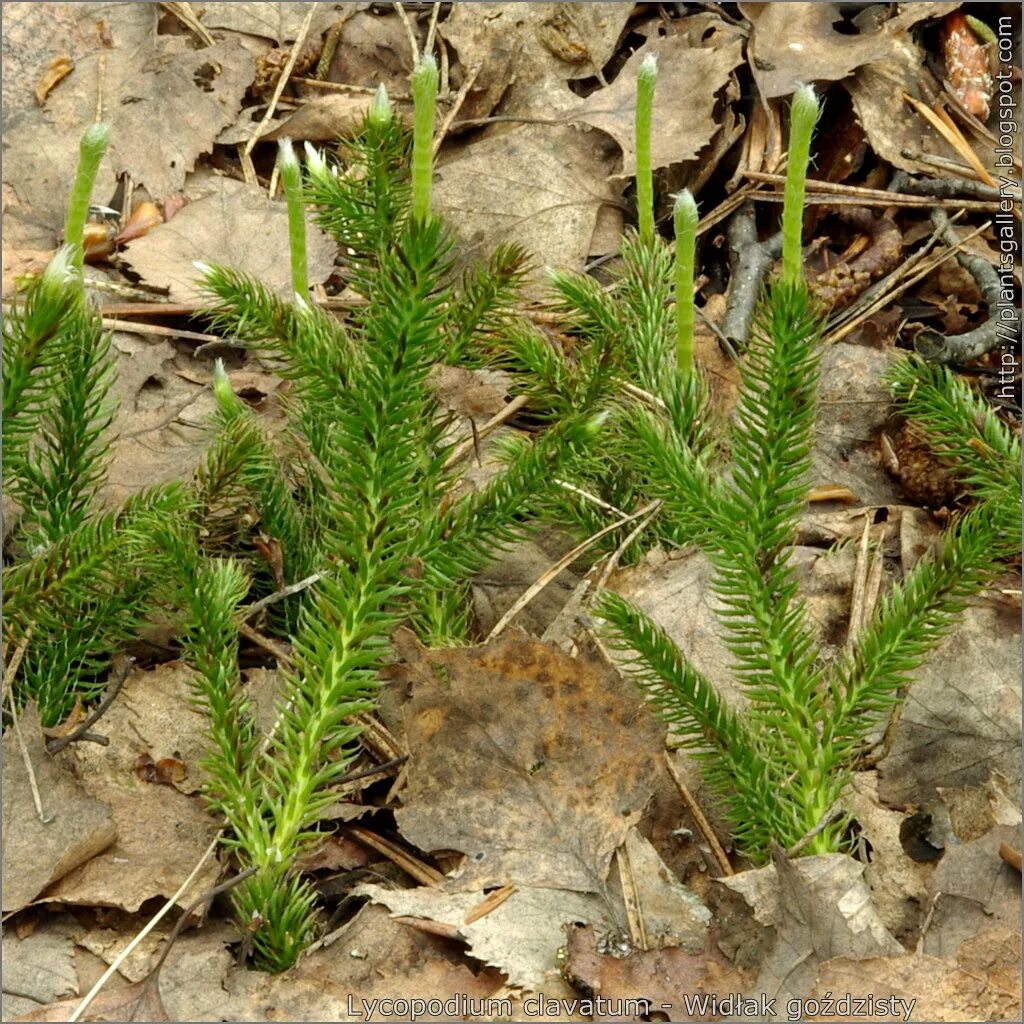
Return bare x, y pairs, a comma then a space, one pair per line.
782, 765
77, 577
359, 490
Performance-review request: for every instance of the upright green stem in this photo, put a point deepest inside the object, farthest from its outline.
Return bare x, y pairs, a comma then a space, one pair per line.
645, 82
91, 150
291, 178
803, 115
684, 214
424, 98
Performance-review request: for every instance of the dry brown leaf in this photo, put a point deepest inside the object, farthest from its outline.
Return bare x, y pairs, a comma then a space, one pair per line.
161, 833
972, 889
39, 967
899, 885
35, 854
981, 983
670, 913
679, 130
532, 763
540, 186
854, 404
165, 103
795, 44
820, 908
962, 716
895, 131
665, 978
36, 33
373, 49
375, 958
163, 415
520, 52
277, 21
234, 225
521, 937
321, 119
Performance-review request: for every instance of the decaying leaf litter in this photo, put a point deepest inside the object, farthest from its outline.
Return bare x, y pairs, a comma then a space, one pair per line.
532, 838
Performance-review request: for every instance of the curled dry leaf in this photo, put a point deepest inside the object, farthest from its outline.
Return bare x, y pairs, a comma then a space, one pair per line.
59, 69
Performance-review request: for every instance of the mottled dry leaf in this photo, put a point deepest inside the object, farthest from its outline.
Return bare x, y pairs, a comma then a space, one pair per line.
35, 854
128, 1003
521, 937
679, 130
663, 977
161, 837
821, 908
232, 225
532, 763
165, 102
962, 716
156, 709
278, 21
981, 983
540, 186
163, 415
899, 885
500, 584
373, 49
323, 119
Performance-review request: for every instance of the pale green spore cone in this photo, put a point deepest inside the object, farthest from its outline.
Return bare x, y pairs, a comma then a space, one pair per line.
291, 178
424, 97
380, 107
685, 217
646, 79
91, 151
803, 116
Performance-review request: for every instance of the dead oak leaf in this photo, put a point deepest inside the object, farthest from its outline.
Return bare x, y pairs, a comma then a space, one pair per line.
982, 982
532, 763
525, 53
679, 130
232, 224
